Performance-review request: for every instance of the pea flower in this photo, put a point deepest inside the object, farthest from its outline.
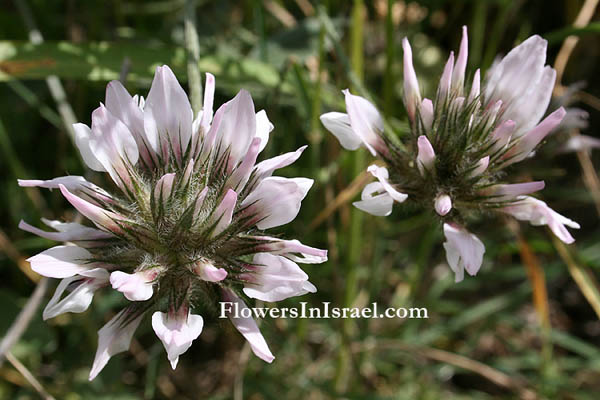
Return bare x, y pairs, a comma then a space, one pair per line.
453, 160
183, 226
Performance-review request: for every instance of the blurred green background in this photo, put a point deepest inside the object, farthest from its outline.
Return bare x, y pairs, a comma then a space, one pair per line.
527, 326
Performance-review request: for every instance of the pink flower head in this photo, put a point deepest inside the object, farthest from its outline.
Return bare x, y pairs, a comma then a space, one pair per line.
187, 211
452, 160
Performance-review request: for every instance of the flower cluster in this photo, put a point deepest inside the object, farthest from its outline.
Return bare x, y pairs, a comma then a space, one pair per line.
184, 227
459, 144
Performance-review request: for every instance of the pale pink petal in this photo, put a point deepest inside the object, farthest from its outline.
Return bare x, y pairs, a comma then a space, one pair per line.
177, 331
382, 174
113, 338
82, 141
120, 104
263, 128
241, 173
275, 278
248, 328
164, 188
80, 298
375, 200
502, 135
475, 87
511, 191
276, 201
292, 249
208, 272
265, 168
426, 113
72, 232
223, 213
538, 213
481, 166
425, 155
531, 139
412, 95
187, 173
168, 115
463, 250
61, 261
446, 79
516, 78
339, 124
531, 107
366, 122
207, 107
102, 218
136, 286
443, 204
199, 203
237, 127
581, 143
458, 76
113, 145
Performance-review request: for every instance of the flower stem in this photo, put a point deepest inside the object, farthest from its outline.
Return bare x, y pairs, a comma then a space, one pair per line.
192, 47
355, 240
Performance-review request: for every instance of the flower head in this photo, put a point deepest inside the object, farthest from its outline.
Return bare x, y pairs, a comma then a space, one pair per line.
182, 228
460, 143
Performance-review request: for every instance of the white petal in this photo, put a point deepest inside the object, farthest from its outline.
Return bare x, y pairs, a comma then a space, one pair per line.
113, 145
292, 249
72, 232
136, 286
237, 127
463, 250
113, 338
443, 204
511, 191
375, 200
528, 142
80, 298
248, 328
177, 331
82, 141
207, 107
275, 278
458, 75
238, 179
366, 122
164, 188
538, 213
263, 128
168, 115
61, 261
426, 113
382, 174
208, 272
120, 104
339, 124
265, 168
412, 95
102, 218
481, 166
276, 201
223, 213
425, 155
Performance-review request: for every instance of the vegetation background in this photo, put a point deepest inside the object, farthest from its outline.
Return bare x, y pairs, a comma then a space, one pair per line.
527, 326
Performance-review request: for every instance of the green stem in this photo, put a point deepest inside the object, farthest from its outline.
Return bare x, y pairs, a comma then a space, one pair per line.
356, 220
192, 46
388, 77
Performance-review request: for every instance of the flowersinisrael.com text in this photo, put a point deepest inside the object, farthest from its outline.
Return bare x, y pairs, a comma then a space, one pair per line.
304, 311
